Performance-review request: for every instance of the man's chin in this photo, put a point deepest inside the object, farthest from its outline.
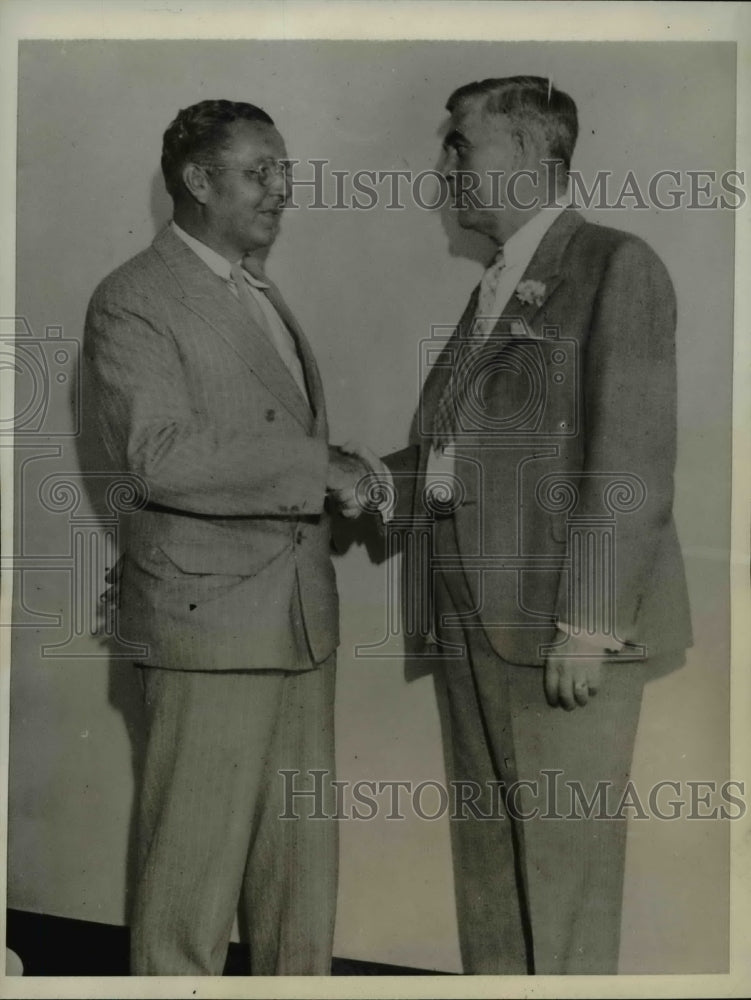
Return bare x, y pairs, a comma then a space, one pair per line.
264, 236
467, 218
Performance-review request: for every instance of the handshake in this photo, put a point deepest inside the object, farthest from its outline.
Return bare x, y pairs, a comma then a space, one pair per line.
349, 465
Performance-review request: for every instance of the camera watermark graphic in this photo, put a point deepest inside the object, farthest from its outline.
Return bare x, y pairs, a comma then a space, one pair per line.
67, 529
514, 400
316, 794
543, 370
43, 366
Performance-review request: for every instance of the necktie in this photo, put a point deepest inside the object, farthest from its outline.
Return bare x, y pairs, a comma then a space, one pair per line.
454, 397
275, 327
485, 318
238, 278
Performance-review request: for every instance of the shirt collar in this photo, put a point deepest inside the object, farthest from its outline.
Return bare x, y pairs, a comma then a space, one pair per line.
519, 249
218, 264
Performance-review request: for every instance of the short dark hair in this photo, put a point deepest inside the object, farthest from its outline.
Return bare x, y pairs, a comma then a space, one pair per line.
531, 100
199, 132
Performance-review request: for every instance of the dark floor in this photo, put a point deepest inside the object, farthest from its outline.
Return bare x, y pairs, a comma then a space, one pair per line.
57, 946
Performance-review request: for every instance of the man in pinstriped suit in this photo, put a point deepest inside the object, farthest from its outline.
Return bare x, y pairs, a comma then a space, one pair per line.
205, 386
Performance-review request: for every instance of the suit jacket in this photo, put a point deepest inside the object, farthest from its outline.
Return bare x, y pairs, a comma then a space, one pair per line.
228, 565
567, 459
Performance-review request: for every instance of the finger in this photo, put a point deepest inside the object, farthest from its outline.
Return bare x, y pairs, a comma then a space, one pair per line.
594, 678
566, 690
347, 504
550, 681
353, 449
363, 470
349, 448
581, 692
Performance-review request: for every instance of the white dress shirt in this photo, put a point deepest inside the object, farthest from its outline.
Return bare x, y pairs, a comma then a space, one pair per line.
275, 327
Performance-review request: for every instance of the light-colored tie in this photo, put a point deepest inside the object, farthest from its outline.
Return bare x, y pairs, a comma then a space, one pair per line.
279, 334
243, 293
485, 318
454, 397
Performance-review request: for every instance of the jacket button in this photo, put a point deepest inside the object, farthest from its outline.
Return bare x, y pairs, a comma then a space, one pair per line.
270, 415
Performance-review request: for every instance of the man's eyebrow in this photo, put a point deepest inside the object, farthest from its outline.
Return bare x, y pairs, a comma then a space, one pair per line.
455, 138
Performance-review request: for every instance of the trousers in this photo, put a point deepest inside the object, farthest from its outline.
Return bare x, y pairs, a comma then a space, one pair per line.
211, 836
539, 854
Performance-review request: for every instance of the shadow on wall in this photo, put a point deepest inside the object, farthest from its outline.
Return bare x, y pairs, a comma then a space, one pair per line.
125, 693
124, 690
160, 203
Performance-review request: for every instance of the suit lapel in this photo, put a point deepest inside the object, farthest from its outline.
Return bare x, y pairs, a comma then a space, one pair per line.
518, 317
310, 368
209, 297
544, 269
437, 380
440, 374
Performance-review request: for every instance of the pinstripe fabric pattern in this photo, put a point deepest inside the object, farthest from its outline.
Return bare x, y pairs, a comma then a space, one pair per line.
255, 301
210, 833
191, 395
229, 582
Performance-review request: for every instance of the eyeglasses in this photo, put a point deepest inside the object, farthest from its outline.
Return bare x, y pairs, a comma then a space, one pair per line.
266, 172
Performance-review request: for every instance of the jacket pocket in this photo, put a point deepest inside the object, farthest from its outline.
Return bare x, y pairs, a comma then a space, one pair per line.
244, 559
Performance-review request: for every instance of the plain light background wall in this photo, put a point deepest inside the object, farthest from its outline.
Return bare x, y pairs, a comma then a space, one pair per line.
367, 287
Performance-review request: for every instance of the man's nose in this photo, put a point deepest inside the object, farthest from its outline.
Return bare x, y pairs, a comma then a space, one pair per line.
279, 184
447, 164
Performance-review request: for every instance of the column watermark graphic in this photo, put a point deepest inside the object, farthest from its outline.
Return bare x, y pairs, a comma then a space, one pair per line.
76, 555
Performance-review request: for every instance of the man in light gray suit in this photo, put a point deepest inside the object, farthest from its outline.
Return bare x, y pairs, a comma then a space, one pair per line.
206, 387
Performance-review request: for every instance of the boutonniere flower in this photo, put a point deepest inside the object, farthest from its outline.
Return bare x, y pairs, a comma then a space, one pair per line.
531, 292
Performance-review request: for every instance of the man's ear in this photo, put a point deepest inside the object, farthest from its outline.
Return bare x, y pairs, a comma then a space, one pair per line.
525, 147
196, 181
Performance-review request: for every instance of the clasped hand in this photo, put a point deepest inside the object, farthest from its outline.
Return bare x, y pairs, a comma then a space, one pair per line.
346, 469
569, 680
